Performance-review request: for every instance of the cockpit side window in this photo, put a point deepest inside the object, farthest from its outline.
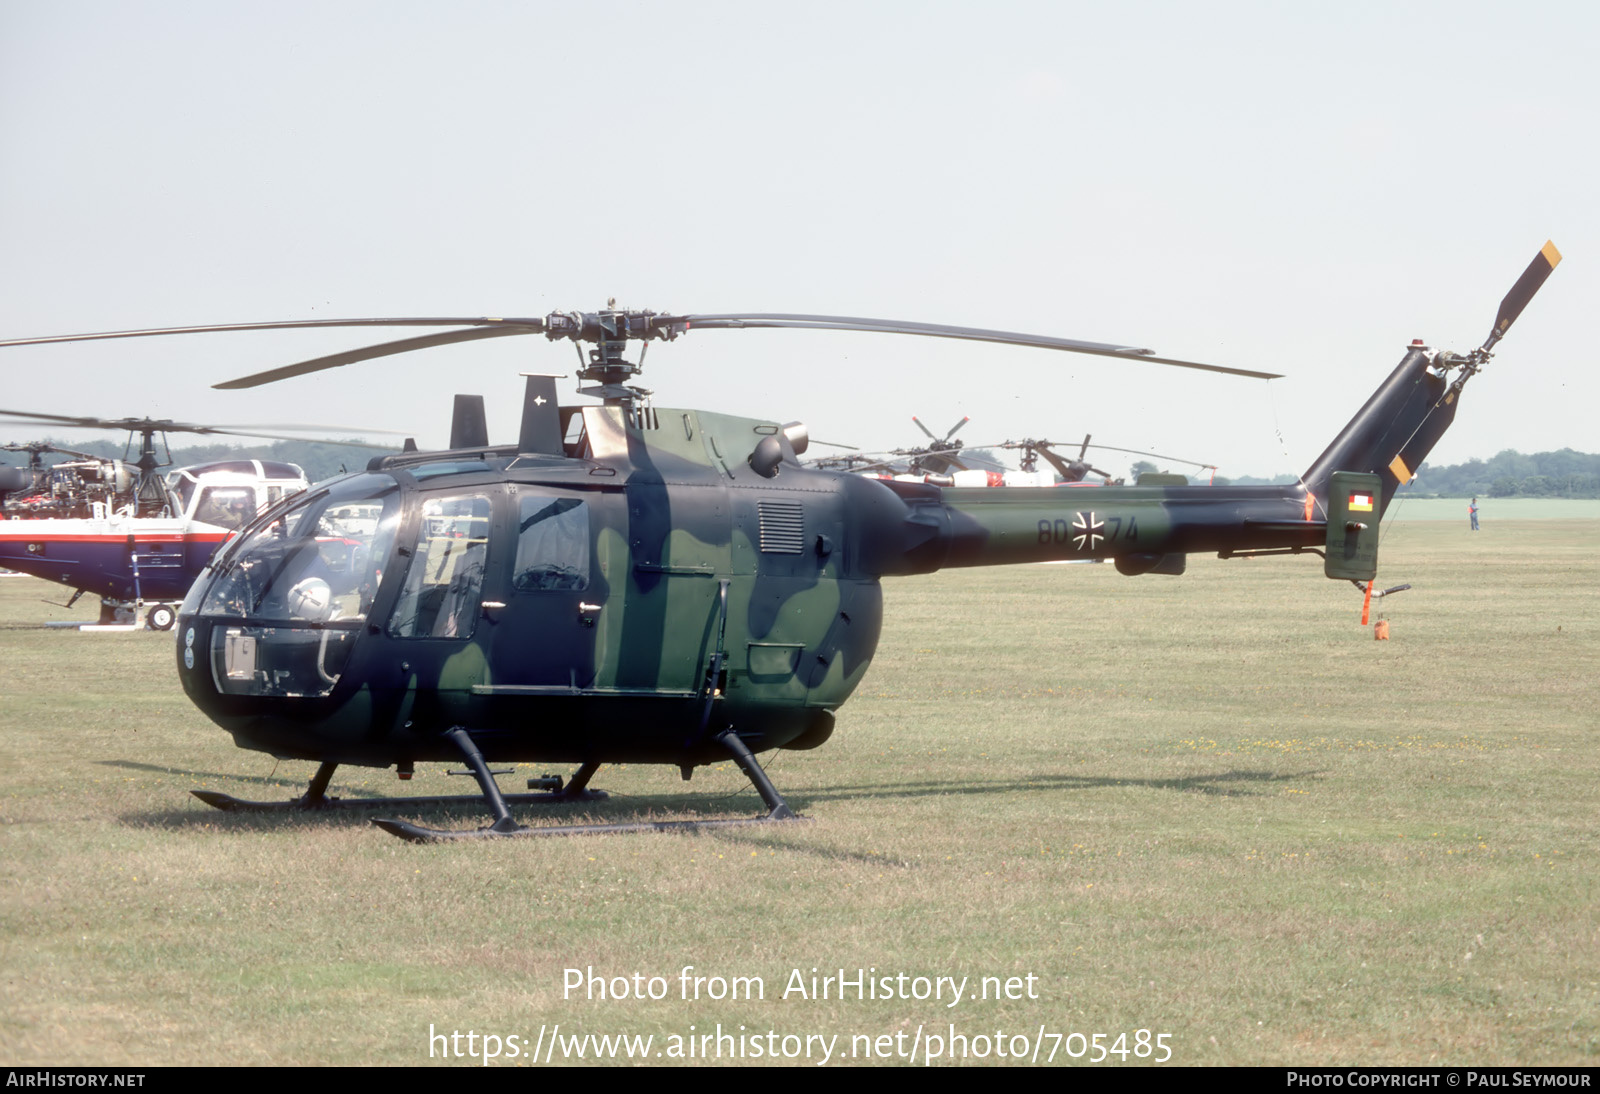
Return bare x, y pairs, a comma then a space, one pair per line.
442, 595
226, 506
182, 486
552, 544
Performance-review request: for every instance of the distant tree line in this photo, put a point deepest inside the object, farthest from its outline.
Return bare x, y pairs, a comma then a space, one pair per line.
1251, 480
1562, 474
1204, 476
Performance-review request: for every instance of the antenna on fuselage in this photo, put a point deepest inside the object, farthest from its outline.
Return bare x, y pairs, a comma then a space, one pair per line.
541, 418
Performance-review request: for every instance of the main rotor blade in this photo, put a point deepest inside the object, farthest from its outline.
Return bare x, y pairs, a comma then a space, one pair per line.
1153, 455
54, 419
319, 428
942, 462
1532, 278
166, 425
1062, 466
1044, 448
978, 459
367, 353
870, 465
526, 326
938, 330
308, 440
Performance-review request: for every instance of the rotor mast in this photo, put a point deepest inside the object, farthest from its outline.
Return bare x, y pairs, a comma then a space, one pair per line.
609, 332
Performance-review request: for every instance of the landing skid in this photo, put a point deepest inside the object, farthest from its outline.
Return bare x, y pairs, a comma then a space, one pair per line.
230, 804
418, 834
315, 799
504, 826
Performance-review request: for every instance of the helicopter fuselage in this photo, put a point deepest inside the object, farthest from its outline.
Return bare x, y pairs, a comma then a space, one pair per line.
625, 600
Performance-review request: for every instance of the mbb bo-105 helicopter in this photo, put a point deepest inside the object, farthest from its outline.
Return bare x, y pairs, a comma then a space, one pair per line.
634, 584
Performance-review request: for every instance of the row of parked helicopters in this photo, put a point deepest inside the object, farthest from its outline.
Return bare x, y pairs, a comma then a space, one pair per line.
944, 462
625, 583
137, 535
127, 530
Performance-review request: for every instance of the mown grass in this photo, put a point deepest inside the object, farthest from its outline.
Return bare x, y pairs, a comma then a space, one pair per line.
1494, 510
1210, 806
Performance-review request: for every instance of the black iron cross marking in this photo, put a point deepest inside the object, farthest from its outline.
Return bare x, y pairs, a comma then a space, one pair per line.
1088, 529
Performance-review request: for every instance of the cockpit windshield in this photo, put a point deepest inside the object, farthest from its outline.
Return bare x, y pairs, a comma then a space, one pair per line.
226, 506
295, 590
319, 560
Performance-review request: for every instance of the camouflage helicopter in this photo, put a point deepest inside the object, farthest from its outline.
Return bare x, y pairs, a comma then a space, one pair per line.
629, 583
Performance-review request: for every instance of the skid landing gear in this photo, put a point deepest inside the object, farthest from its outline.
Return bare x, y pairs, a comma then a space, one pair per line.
316, 798
505, 826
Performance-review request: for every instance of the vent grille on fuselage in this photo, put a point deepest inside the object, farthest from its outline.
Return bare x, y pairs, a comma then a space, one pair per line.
782, 527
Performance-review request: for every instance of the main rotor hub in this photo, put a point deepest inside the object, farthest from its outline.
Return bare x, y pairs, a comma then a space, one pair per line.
610, 331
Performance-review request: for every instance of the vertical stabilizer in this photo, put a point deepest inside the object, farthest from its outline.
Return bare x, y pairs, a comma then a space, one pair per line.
1394, 432
541, 418
1405, 418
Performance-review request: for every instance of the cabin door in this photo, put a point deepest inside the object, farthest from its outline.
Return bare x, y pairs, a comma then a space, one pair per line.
549, 600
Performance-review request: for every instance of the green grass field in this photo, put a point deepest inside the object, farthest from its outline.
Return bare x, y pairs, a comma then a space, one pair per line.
1495, 510
1210, 807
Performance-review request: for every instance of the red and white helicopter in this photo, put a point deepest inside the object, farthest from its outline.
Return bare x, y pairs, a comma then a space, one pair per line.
123, 531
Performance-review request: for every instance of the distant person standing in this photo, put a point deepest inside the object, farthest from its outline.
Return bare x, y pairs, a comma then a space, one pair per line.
1472, 513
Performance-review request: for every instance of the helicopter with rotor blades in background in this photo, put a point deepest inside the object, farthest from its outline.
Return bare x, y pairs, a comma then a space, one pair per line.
122, 530
1076, 469
626, 583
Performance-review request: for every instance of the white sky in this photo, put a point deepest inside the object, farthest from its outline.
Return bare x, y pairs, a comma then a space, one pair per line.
1289, 187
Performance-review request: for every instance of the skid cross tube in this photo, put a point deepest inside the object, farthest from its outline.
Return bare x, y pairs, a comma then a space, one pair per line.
777, 809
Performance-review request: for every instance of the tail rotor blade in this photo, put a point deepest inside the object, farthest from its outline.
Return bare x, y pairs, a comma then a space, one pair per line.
1532, 278
924, 428
956, 427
